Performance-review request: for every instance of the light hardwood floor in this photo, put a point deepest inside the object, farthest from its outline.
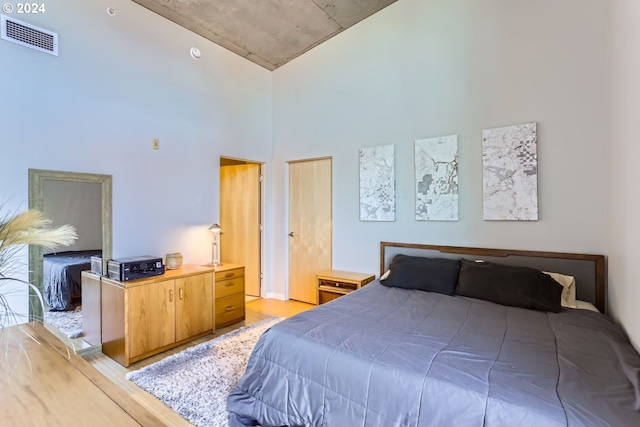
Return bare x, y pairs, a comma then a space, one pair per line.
255, 310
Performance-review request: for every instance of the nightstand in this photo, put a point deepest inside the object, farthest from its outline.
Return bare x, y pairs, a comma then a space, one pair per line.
333, 284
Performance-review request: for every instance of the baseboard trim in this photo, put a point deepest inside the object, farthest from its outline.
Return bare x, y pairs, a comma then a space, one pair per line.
276, 295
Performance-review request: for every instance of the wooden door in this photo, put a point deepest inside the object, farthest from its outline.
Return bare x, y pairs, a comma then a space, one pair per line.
151, 313
309, 226
240, 220
194, 305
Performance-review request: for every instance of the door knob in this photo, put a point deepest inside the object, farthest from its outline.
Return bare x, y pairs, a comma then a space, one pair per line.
292, 234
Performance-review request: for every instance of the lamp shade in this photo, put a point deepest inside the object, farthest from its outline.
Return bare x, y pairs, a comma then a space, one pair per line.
215, 228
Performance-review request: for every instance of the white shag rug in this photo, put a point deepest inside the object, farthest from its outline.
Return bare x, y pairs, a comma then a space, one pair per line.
195, 383
67, 322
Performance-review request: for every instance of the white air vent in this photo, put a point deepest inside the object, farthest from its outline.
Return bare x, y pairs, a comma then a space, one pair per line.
29, 35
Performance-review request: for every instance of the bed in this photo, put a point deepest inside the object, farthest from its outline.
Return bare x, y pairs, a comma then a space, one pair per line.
62, 281
392, 356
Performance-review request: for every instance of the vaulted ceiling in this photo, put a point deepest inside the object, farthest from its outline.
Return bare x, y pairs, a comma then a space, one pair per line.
267, 32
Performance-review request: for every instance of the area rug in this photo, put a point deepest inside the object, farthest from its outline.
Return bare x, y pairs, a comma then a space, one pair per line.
195, 383
67, 322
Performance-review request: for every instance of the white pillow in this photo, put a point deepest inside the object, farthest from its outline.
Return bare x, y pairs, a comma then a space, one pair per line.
568, 298
385, 275
586, 306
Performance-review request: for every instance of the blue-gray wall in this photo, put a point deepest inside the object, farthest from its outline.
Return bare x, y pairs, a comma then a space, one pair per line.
414, 70
431, 68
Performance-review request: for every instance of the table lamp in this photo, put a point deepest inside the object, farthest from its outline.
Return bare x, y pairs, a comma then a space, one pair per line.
215, 248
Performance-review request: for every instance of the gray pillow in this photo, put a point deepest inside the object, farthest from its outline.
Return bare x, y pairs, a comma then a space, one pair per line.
509, 285
424, 274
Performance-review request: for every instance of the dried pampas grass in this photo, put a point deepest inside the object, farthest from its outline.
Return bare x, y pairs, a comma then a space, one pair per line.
16, 230
32, 228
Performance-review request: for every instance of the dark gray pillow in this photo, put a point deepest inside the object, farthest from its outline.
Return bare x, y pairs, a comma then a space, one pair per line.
425, 274
509, 285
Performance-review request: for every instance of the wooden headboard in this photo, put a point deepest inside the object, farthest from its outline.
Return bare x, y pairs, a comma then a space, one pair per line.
589, 270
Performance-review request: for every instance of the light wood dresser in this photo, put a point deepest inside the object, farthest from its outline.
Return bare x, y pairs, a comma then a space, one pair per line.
229, 291
144, 317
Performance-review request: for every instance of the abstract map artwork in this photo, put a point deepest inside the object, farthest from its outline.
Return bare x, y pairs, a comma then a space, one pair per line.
510, 173
377, 184
437, 178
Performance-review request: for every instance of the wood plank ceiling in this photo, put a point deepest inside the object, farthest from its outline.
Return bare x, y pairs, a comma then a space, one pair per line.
267, 32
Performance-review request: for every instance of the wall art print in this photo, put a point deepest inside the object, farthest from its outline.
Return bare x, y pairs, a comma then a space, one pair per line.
377, 184
510, 173
436, 168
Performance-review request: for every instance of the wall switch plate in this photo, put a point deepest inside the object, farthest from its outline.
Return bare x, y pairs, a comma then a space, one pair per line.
156, 144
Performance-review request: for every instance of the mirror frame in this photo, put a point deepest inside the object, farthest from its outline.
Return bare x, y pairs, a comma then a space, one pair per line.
36, 201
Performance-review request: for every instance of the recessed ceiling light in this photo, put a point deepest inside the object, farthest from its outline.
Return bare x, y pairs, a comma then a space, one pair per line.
111, 11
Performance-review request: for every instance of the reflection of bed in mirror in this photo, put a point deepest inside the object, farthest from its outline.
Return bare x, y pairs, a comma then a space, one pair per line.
62, 282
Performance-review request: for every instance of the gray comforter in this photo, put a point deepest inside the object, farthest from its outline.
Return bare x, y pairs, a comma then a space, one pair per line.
393, 357
62, 277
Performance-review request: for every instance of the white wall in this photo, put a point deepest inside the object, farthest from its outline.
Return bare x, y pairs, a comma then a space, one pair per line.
428, 68
78, 204
624, 204
118, 83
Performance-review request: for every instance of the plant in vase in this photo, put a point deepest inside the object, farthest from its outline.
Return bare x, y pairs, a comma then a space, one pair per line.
29, 227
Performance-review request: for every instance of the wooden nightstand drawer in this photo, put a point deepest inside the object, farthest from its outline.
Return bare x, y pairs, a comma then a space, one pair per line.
328, 294
229, 310
224, 288
337, 284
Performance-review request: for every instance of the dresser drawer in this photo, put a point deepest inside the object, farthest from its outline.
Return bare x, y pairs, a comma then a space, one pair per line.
224, 288
326, 295
229, 310
229, 274
337, 284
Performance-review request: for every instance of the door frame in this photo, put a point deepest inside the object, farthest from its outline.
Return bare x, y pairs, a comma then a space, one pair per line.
261, 208
37, 178
286, 216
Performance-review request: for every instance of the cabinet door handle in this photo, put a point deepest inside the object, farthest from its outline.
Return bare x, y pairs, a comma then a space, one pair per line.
230, 308
180, 293
229, 284
229, 275
170, 295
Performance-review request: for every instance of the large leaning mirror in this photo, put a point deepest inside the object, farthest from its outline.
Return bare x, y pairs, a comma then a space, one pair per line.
45, 188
